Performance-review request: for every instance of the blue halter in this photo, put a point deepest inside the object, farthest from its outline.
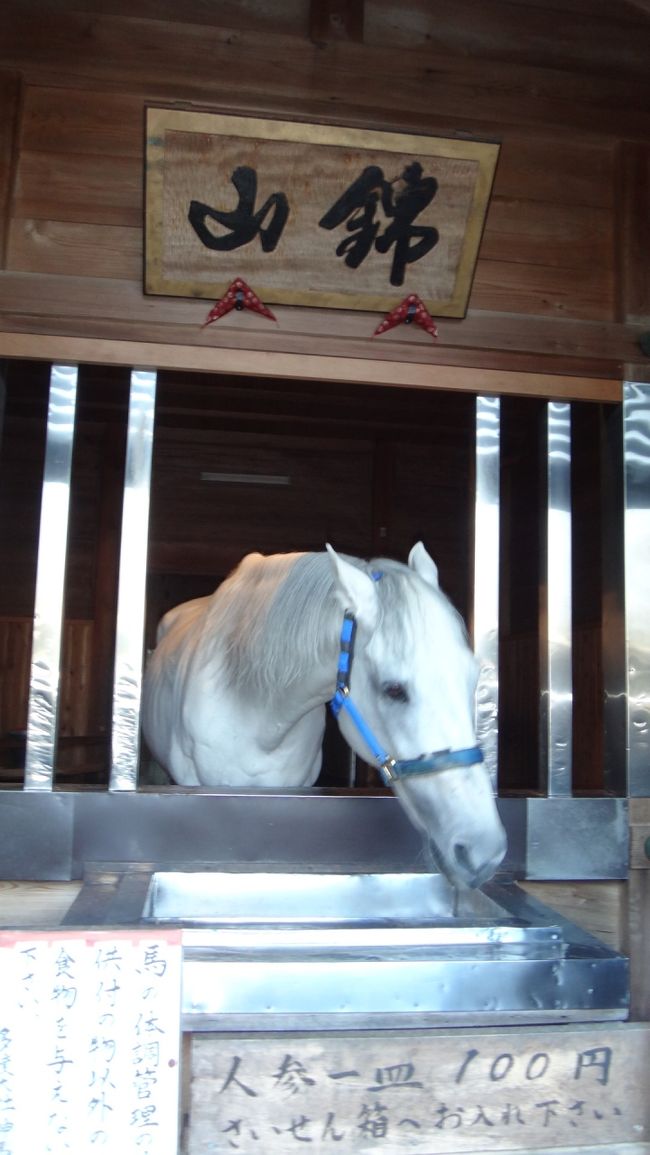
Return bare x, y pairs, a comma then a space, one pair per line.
390, 768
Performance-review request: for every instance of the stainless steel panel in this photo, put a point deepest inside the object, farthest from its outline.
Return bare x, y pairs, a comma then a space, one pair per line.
358, 937
335, 831
576, 838
36, 835
557, 694
177, 827
290, 898
636, 441
264, 993
42, 720
307, 949
486, 576
129, 644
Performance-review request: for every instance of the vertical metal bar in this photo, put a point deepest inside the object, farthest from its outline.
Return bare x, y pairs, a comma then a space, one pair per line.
615, 700
486, 576
43, 708
636, 450
557, 693
129, 642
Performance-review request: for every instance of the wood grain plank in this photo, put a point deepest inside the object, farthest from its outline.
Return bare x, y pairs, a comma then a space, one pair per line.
328, 107
15, 654
508, 287
525, 34
70, 120
112, 333
10, 96
107, 189
186, 62
182, 531
550, 234
86, 189
116, 308
76, 675
76, 668
70, 248
36, 904
597, 907
634, 232
69, 297
307, 367
544, 166
291, 17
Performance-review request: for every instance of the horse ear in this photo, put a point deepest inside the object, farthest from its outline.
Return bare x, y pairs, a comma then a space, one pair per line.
357, 591
424, 565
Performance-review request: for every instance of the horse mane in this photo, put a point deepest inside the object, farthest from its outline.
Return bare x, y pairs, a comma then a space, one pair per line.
274, 618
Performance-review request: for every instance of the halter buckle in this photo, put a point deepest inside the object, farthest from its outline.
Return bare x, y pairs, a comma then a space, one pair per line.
387, 769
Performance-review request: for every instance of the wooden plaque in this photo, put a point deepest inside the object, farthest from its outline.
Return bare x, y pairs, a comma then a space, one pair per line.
309, 214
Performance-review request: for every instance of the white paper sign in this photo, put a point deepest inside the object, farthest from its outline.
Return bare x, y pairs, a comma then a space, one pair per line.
89, 1042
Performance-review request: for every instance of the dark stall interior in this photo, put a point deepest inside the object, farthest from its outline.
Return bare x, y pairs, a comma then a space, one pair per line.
244, 464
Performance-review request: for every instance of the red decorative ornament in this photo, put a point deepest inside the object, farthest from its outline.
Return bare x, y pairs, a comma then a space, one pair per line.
411, 309
237, 296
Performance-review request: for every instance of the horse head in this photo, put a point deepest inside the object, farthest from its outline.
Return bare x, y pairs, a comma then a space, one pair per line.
410, 692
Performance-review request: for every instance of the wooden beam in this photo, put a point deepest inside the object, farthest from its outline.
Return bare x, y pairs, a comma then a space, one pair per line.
263, 363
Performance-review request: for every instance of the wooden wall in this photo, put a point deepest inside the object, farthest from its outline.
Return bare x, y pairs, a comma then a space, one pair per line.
562, 283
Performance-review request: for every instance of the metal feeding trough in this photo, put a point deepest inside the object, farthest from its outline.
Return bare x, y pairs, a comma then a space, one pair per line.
267, 950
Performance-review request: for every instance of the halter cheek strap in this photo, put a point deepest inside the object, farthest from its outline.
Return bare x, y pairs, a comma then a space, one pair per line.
390, 768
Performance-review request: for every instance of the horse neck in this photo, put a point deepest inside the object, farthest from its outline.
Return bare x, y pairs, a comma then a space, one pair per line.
300, 624
287, 696
295, 697
288, 725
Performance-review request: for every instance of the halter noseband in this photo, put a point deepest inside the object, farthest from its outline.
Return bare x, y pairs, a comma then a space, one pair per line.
391, 769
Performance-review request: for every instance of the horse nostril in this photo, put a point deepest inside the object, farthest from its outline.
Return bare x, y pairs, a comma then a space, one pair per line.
461, 854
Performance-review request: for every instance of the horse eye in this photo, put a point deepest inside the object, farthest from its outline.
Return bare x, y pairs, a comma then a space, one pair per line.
396, 691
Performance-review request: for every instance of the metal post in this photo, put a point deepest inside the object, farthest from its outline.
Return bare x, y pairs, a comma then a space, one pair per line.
636, 448
486, 575
129, 644
43, 709
615, 710
557, 686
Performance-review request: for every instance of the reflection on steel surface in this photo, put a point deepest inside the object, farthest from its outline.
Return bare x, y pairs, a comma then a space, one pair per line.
291, 950
636, 443
613, 605
486, 576
42, 722
398, 902
129, 642
557, 693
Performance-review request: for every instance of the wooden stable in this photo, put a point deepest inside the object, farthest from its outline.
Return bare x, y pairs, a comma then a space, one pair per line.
559, 309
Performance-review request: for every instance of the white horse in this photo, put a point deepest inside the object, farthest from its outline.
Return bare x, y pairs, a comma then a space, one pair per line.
235, 692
